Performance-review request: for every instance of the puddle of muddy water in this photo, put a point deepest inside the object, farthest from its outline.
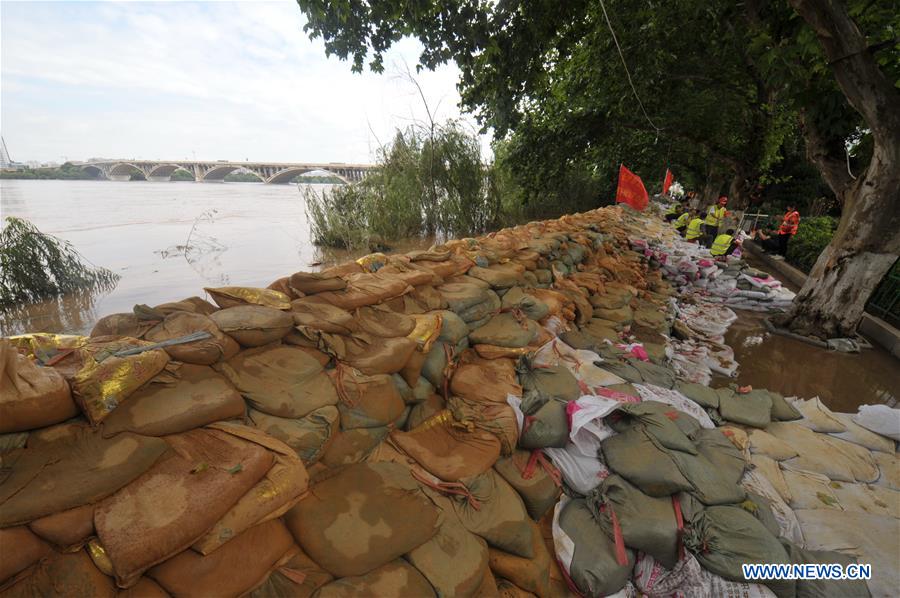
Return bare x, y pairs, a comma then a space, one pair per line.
843, 381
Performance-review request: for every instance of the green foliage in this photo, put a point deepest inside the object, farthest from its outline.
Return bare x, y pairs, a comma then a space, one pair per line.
313, 179
427, 182
35, 266
181, 174
242, 177
67, 171
813, 236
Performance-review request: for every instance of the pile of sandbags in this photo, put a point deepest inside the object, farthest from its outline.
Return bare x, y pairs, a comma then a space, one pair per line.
507, 414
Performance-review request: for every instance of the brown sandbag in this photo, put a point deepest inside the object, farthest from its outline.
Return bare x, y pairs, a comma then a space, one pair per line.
309, 436
454, 560
253, 325
353, 446
63, 575
226, 297
280, 380
144, 588
447, 450
362, 289
173, 504
324, 317
496, 418
67, 530
371, 354
19, 550
397, 579
233, 570
271, 497
31, 396
380, 321
196, 305
203, 352
529, 574
358, 518
123, 324
200, 396
486, 380
297, 577
366, 401
432, 405
506, 330
310, 283
71, 472
537, 483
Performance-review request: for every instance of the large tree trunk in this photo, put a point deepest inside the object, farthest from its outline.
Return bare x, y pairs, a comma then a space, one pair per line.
867, 241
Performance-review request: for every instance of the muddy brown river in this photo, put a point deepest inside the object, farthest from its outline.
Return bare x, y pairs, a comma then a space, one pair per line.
250, 234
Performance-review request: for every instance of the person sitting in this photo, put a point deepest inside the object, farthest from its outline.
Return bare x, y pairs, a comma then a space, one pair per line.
723, 245
673, 212
693, 232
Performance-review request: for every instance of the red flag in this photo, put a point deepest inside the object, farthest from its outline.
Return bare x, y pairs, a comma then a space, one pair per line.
631, 190
668, 181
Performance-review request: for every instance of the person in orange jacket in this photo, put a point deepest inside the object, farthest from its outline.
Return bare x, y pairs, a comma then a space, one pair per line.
788, 229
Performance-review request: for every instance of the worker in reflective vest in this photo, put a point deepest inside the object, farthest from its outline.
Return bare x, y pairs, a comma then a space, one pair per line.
715, 216
692, 234
724, 244
672, 212
788, 229
682, 221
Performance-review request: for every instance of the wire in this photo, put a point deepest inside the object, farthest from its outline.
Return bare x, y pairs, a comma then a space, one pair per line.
627, 72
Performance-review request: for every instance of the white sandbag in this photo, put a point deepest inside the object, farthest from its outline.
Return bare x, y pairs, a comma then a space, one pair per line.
880, 419
587, 428
817, 417
889, 470
582, 473
811, 491
649, 392
578, 361
769, 469
754, 481
859, 435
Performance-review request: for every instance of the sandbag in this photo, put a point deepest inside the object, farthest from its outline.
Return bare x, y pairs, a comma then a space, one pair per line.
822, 588
324, 317
194, 305
498, 419
366, 401
232, 570
637, 458
382, 322
371, 354
449, 451
271, 497
423, 410
353, 446
203, 352
547, 427
752, 409
880, 419
30, 396
541, 384
198, 397
529, 574
280, 380
357, 518
123, 324
253, 325
310, 283
710, 483
764, 443
820, 453
593, 563
517, 298
716, 447
454, 560
486, 380
73, 574
725, 537
652, 525
770, 470
669, 426
538, 483
702, 395
226, 297
506, 330
174, 503
296, 576
889, 465
19, 550
499, 276
863, 437
309, 436
363, 289
67, 530
396, 579
71, 472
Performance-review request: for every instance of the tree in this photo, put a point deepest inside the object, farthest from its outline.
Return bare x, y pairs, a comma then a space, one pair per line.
726, 84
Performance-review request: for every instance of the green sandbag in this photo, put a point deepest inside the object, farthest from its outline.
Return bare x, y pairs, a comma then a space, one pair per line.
482, 310
538, 491
622, 315
782, 411
654, 374
648, 524
721, 452
436, 360
505, 330
658, 420
710, 485
578, 340
601, 330
725, 537
516, 298
548, 428
761, 508
651, 318
700, 394
825, 588
542, 384
453, 328
751, 409
636, 457
622, 370
594, 568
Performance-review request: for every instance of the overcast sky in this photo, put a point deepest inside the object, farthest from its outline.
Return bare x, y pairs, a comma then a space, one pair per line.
211, 80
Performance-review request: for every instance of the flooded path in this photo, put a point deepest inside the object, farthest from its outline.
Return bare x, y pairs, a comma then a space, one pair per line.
238, 234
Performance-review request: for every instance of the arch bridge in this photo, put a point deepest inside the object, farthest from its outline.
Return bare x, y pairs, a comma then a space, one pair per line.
216, 171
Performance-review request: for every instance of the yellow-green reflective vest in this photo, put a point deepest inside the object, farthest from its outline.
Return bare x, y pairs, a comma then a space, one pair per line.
721, 244
693, 229
715, 215
672, 210
682, 220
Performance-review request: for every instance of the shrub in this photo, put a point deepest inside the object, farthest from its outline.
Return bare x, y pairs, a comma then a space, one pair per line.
812, 237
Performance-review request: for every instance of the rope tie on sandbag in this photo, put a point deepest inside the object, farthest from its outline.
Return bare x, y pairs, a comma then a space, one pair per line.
536, 458
449, 369
451, 488
339, 373
618, 539
679, 520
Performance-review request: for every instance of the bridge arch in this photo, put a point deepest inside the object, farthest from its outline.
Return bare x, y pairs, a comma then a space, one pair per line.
217, 174
123, 171
93, 170
162, 172
288, 174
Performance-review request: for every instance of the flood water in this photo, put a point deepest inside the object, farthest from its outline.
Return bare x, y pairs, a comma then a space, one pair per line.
246, 234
